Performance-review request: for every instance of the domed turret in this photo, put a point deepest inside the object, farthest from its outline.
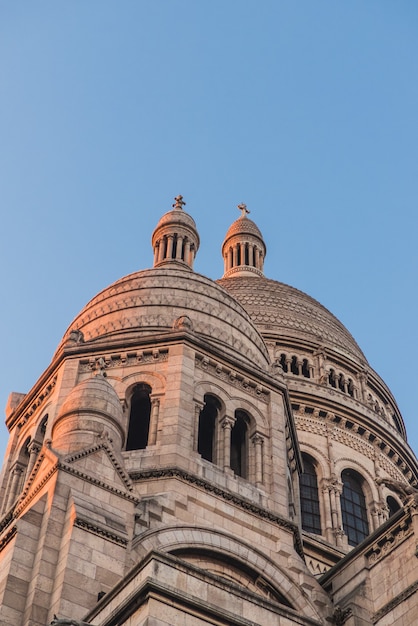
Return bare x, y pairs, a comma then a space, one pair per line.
92, 408
175, 239
243, 248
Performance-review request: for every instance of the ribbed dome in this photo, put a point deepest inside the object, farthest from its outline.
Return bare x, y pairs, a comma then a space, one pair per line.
243, 226
150, 302
278, 309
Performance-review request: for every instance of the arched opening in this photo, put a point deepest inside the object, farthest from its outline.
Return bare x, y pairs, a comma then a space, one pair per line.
239, 444
283, 362
207, 428
309, 498
139, 417
393, 505
294, 366
305, 368
353, 508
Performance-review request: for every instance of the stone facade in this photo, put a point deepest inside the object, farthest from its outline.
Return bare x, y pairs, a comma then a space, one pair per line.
207, 453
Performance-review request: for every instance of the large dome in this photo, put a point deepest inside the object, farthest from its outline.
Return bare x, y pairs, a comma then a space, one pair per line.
280, 310
150, 302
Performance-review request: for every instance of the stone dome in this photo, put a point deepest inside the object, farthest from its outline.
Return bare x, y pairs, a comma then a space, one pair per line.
152, 301
283, 311
243, 226
91, 409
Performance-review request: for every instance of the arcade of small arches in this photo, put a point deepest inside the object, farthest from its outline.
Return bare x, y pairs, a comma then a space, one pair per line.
220, 438
232, 441
24, 464
297, 365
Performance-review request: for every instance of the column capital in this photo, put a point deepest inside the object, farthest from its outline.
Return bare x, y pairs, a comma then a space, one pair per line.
228, 422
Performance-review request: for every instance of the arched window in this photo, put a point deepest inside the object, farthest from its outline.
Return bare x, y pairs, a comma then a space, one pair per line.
309, 499
393, 505
207, 428
353, 508
139, 418
239, 444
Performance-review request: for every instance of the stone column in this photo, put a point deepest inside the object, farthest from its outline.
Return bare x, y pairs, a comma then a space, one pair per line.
326, 494
235, 255
156, 252
179, 248
258, 442
227, 425
228, 259
170, 246
251, 255
242, 254
187, 251
153, 424
257, 257
161, 249
33, 448
16, 475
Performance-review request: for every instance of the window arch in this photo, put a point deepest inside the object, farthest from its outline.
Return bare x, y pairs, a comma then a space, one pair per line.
239, 444
139, 417
208, 418
309, 498
353, 508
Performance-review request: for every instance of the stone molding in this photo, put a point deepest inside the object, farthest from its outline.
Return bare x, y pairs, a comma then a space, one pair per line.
100, 531
232, 377
353, 438
242, 503
123, 359
390, 540
38, 401
112, 456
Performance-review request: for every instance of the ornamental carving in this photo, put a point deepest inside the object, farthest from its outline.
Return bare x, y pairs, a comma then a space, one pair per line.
232, 377
39, 400
123, 359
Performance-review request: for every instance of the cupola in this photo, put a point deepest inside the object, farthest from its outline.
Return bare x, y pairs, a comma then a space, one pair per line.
243, 248
175, 239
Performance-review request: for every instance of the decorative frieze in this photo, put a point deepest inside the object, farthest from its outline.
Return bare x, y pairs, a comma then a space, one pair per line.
390, 540
232, 377
38, 401
123, 359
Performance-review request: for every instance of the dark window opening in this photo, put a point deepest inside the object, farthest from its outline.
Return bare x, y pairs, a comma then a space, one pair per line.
239, 444
309, 499
283, 362
305, 368
207, 428
353, 508
341, 382
331, 378
393, 505
350, 388
139, 418
294, 366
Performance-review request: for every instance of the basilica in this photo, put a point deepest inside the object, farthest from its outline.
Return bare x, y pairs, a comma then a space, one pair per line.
207, 452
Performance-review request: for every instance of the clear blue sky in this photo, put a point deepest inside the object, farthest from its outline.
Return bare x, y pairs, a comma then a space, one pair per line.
305, 110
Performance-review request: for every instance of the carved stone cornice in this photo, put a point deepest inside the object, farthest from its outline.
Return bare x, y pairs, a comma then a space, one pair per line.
7, 537
242, 503
123, 359
230, 376
38, 400
389, 541
100, 531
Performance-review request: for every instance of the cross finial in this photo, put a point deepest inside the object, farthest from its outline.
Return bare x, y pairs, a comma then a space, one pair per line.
179, 204
243, 208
